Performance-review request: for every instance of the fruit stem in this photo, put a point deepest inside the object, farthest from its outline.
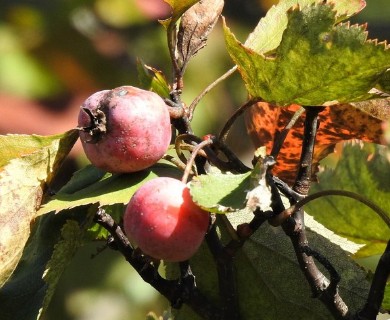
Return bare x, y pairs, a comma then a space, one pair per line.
225, 130
195, 102
191, 160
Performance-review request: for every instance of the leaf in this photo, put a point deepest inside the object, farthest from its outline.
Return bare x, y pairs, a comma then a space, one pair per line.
72, 237
19, 145
22, 183
268, 33
348, 217
260, 196
270, 283
316, 63
338, 123
107, 190
378, 108
195, 27
347, 8
26, 287
178, 8
153, 79
384, 82
220, 193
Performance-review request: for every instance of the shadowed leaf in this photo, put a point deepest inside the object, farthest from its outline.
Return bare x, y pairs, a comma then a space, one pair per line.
270, 283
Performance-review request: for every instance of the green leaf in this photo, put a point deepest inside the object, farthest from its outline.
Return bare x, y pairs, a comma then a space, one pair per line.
32, 283
105, 190
348, 217
152, 79
268, 33
30, 164
316, 63
384, 82
269, 280
220, 193
72, 237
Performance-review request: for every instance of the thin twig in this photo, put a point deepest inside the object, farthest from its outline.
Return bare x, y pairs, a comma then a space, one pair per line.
177, 162
191, 160
191, 108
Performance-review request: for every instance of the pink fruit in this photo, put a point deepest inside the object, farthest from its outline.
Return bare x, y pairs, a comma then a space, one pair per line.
126, 129
164, 222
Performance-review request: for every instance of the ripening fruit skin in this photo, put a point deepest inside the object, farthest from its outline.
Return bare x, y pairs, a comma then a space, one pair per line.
126, 129
164, 222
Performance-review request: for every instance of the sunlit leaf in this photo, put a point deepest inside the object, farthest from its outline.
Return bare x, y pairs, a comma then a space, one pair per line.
195, 27
153, 79
104, 190
268, 33
219, 192
336, 124
316, 63
178, 8
22, 183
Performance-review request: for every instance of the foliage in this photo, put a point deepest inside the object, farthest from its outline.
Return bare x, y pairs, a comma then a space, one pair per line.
302, 56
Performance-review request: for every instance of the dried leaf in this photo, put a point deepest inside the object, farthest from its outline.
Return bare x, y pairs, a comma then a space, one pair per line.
195, 27
337, 123
378, 108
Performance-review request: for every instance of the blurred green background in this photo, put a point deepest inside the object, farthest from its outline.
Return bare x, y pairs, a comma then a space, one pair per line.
54, 54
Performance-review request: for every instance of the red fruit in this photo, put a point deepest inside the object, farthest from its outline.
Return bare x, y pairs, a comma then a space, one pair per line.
126, 129
164, 222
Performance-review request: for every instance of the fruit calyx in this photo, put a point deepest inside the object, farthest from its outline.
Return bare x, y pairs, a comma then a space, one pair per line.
97, 125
